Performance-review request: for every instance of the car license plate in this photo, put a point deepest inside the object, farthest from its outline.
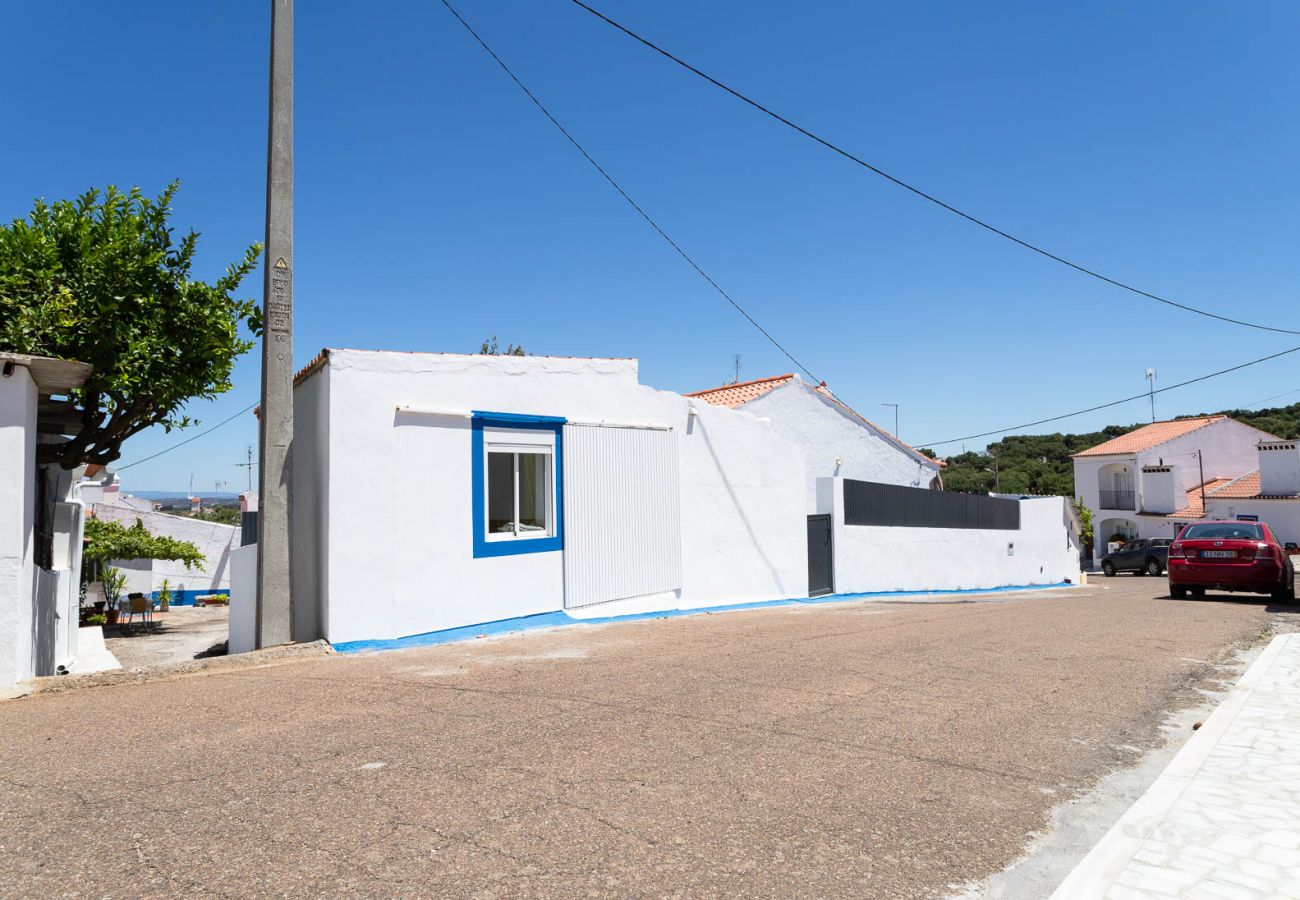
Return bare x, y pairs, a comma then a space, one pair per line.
1219, 554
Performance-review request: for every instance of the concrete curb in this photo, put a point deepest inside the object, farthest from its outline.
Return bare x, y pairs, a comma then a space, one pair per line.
57, 684
1099, 871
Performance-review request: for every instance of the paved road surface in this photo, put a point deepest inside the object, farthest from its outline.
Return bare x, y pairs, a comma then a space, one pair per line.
877, 750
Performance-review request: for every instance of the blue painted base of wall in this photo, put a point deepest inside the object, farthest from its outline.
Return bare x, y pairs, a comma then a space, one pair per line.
186, 597
556, 619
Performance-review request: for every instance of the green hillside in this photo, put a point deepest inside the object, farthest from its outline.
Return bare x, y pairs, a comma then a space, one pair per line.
1040, 463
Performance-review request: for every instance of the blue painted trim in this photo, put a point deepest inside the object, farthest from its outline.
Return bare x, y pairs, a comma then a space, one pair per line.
483, 548
186, 597
560, 618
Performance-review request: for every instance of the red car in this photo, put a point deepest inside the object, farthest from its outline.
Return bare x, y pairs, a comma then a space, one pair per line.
1230, 556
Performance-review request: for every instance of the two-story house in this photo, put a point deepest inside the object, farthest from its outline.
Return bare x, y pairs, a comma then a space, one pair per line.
1152, 481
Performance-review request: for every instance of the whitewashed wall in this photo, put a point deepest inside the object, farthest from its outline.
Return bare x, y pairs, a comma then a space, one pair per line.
17, 507
397, 547
825, 432
873, 558
1283, 516
242, 625
215, 542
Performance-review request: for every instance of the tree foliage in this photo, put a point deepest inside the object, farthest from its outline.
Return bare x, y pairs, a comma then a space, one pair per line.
100, 279
492, 348
1041, 463
113, 540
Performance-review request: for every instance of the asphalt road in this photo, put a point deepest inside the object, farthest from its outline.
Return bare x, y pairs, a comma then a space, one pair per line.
870, 749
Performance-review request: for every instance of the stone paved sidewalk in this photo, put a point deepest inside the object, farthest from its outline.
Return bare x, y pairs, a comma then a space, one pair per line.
1223, 819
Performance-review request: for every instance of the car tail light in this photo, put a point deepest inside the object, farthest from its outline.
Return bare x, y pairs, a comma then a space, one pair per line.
1176, 551
1264, 551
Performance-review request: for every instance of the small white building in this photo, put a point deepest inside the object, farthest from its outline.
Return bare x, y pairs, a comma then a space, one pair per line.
836, 441
437, 491
1157, 478
40, 520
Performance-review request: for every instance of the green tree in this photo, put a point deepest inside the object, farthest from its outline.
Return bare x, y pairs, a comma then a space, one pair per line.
112, 540
492, 348
100, 279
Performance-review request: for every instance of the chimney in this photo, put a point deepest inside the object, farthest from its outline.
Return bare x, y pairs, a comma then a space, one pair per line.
1279, 468
1164, 489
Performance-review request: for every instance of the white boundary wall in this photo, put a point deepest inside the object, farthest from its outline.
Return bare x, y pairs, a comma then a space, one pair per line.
17, 507
394, 557
214, 540
871, 558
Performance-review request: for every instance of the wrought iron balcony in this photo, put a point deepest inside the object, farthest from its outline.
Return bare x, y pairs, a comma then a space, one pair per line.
1117, 500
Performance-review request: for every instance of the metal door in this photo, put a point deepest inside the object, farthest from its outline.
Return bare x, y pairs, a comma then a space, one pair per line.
821, 565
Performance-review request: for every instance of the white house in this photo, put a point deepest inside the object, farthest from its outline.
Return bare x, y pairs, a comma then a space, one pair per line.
437, 491
836, 441
1157, 478
40, 520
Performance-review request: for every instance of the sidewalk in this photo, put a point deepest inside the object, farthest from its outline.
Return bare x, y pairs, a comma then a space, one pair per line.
1223, 819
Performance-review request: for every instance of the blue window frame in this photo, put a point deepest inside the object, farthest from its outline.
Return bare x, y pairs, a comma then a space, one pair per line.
483, 546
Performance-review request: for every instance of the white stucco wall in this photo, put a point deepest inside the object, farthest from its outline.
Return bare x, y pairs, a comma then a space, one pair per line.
826, 432
309, 508
242, 625
215, 542
17, 498
397, 545
872, 558
1283, 516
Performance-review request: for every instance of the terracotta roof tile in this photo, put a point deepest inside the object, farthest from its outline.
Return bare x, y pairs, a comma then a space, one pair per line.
1149, 436
1247, 487
733, 395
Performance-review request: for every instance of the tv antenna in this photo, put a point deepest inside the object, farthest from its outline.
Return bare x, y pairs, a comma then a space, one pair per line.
248, 464
1151, 391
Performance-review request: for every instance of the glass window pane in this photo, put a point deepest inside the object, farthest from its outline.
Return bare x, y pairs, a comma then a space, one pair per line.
501, 493
534, 491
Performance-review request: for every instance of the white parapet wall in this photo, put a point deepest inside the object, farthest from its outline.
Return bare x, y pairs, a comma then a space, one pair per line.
243, 600
869, 558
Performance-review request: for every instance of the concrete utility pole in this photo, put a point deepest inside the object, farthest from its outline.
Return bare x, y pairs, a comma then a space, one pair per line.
274, 588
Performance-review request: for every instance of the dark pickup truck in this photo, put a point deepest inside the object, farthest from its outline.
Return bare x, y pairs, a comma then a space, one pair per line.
1148, 556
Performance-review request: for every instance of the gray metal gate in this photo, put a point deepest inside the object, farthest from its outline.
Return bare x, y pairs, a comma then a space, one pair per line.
821, 557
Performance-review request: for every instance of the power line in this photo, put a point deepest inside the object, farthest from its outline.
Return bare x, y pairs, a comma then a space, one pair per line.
194, 437
917, 191
1141, 396
624, 194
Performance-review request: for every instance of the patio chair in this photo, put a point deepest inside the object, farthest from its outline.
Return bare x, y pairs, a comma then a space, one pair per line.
138, 604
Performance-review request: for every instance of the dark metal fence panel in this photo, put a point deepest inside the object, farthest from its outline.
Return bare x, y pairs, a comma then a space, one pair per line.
248, 528
872, 503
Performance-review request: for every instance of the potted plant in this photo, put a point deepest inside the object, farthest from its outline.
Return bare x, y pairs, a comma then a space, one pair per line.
164, 596
113, 581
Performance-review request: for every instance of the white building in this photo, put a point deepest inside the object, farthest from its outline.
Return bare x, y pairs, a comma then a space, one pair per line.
436, 491
1152, 481
835, 440
40, 520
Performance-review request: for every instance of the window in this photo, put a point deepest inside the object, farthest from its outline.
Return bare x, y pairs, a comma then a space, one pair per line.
1224, 530
517, 467
519, 498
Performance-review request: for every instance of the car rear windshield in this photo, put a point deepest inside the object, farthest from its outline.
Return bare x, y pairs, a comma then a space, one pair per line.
1244, 531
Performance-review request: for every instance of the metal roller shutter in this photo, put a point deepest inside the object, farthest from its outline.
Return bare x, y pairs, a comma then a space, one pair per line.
622, 513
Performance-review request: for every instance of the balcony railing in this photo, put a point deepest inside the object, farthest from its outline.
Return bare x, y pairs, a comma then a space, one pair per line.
1117, 500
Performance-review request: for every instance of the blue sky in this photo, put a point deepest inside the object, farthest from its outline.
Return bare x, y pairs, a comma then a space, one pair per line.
1155, 142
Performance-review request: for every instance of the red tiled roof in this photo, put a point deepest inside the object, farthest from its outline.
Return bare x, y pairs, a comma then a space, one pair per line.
1245, 486
1149, 436
733, 395
736, 395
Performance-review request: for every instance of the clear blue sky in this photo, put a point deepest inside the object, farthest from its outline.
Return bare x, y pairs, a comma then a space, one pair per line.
1156, 142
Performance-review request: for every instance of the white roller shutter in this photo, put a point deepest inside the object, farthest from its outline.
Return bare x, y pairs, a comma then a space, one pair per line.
622, 513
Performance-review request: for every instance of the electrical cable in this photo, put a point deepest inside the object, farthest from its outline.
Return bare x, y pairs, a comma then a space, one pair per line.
917, 191
624, 194
1142, 396
194, 437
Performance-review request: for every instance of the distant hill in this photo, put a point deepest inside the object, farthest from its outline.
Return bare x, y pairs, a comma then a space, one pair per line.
1041, 464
